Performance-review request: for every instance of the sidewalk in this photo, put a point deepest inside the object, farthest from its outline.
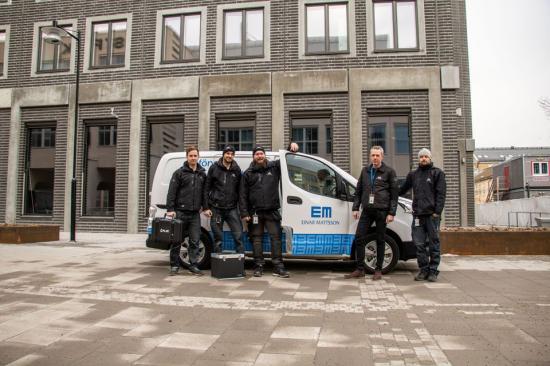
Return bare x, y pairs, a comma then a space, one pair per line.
108, 300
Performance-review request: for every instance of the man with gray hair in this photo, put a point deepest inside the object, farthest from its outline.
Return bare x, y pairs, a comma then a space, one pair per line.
429, 188
376, 192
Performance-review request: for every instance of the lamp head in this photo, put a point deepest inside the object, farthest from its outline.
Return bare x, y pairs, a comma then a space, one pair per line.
53, 34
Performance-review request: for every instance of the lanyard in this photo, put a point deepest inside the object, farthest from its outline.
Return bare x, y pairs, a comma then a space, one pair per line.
372, 174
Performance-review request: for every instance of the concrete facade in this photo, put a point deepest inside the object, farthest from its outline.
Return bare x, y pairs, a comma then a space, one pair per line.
431, 86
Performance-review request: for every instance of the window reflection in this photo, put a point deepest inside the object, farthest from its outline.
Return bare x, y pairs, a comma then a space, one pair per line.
39, 172
55, 57
247, 22
395, 25
100, 170
326, 38
311, 175
109, 44
178, 47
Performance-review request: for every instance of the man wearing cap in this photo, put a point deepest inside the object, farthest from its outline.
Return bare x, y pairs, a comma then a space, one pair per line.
376, 192
259, 205
429, 188
221, 194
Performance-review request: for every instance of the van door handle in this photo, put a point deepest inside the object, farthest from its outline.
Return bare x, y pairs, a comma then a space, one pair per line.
293, 200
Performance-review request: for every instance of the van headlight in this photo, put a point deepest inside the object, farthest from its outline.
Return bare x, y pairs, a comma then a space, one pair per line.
406, 205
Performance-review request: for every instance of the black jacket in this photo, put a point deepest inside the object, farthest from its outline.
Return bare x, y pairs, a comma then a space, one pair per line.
385, 189
429, 189
222, 186
186, 189
260, 188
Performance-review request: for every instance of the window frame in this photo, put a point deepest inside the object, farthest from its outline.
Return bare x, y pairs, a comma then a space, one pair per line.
109, 44
540, 164
327, 30
246, 121
395, 27
182, 17
328, 114
54, 70
4, 70
243, 12
28, 146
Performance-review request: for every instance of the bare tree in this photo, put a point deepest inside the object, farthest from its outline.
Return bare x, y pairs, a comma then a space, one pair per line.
545, 105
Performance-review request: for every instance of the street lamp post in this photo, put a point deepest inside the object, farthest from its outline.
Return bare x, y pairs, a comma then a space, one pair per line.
52, 35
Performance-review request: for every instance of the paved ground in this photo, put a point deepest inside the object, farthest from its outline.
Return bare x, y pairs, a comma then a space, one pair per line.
109, 301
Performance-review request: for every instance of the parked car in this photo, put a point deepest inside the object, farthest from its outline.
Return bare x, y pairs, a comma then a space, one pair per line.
316, 199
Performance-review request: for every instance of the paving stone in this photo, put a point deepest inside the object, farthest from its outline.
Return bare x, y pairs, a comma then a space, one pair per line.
296, 332
269, 359
233, 352
326, 356
290, 346
194, 341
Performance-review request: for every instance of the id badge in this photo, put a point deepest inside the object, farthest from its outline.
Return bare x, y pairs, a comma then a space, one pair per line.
371, 199
417, 222
254, 219
218, 219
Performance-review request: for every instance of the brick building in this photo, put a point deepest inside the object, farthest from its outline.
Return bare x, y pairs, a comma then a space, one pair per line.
335, 75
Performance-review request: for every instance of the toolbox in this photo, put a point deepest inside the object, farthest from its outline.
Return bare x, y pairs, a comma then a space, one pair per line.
225, 266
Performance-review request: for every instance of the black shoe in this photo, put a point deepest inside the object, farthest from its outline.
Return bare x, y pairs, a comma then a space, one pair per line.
432, 277
421, 276
174, 271
194, 270
377, 275
259, 271
281, 272
358, 273
244, 273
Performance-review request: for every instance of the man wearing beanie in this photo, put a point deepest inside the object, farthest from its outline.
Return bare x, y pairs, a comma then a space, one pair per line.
221, 195
429, 188
259, 205
376, 192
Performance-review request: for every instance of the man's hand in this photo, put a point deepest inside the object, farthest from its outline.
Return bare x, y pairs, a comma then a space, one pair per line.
246, 218
389, 219
294, 147
435, 216
171, 214
207, 213
356, 215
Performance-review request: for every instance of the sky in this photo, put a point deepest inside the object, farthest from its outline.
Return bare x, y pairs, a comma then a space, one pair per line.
509, 52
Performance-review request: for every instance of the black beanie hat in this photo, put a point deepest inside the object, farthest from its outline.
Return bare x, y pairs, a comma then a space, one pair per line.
257, 148
229, 148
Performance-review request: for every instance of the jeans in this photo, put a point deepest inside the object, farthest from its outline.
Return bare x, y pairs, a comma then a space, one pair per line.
368, 217
231, 216
191, 227
272, 222
428, 252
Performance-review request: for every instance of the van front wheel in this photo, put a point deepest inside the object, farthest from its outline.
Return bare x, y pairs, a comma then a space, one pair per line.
205, 248
391, 254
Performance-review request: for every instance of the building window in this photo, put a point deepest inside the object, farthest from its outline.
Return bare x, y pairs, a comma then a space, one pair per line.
327, 28
313, 134
2, 50
401, 139
107, 135
237, 131
243, 33
165, 136
54, 57
540, 168
395, 25
181, 38
42, 137
100, 170
392, 133
109, 44
39, 172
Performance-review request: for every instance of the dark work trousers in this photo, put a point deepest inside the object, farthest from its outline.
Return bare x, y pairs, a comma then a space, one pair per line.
369, 217
231, 216
191, 227
271, 221
426, 238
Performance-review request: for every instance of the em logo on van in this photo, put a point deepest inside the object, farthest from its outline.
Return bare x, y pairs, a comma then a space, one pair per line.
318, 212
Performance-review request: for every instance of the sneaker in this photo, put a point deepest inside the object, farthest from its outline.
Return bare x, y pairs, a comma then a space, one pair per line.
358, 273
421, 276
377, 275
432, 277
174, 271
281, 272
194, 270
259, 271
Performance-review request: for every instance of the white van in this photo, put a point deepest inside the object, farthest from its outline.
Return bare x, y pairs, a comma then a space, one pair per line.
316, 200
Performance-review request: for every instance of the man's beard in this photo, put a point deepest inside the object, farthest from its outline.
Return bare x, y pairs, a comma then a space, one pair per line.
262, 163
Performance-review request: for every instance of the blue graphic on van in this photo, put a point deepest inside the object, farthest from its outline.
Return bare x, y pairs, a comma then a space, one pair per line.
205, 163
318, 212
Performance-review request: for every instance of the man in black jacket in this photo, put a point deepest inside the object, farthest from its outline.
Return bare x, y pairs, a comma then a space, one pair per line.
259, 205
429, 188
221, 195
376, 192
184, 201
